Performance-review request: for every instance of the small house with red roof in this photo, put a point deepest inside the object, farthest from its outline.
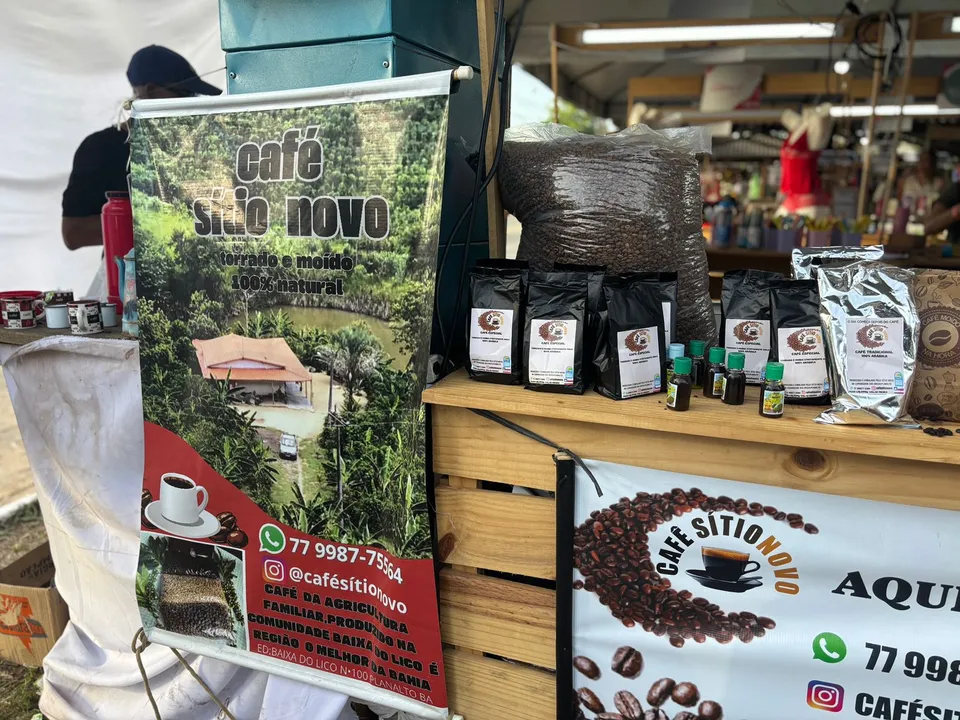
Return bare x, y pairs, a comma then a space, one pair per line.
262, 366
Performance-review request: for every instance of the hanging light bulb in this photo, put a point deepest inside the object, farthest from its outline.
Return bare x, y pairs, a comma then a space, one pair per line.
841, 66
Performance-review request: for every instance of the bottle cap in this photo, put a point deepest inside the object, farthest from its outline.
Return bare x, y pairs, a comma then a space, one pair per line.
736, 361
682, 366
717, 354
774, 372
675, 351
697, 347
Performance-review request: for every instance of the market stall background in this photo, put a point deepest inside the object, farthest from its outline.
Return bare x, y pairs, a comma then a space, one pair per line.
62, 65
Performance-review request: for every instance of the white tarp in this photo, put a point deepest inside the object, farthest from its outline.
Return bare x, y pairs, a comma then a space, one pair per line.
78, 405
62, 70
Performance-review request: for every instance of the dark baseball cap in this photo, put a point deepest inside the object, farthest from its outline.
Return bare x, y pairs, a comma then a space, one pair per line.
158, 65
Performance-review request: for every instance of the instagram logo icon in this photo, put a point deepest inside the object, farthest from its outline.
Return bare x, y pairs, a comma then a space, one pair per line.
273, 571
825, 696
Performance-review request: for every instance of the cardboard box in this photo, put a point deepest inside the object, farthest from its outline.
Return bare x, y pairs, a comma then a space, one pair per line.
32, 616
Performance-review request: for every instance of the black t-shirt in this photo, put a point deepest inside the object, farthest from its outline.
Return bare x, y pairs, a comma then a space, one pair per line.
99, 167
948, 198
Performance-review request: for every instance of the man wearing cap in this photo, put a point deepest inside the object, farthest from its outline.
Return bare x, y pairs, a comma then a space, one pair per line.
100, 163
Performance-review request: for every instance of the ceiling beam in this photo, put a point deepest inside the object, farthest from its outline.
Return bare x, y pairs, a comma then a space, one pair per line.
777, 85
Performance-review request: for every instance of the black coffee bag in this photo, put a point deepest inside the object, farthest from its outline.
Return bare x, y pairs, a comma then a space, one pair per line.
556, 313
745, 318
797, 342
630, 359
494, 325
667, 286
592, 275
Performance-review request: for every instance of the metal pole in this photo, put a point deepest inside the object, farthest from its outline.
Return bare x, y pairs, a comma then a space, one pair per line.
555, 72
892, 169
871, 123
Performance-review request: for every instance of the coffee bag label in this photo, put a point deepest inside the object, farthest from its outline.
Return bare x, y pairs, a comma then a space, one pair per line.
752, 338
804, 361
639, 356
553, 346
874, 356
491, 340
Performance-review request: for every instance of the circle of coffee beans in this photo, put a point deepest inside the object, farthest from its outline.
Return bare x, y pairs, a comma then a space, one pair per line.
611, 551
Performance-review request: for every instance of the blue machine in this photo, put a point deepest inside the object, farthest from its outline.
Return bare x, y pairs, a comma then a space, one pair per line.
287, 44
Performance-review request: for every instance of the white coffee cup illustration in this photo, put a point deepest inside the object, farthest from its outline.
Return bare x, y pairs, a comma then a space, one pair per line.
179, 498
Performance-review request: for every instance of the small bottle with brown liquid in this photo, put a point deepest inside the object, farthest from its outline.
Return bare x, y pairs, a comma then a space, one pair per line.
771, 392
735, 381
673, 352
699, 368
713, 382
680, 386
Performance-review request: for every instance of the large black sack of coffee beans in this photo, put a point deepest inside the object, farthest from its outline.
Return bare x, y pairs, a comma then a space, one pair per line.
556, 313
745, 317
628, 201
667, 286
630, 359
495, 325
797, 342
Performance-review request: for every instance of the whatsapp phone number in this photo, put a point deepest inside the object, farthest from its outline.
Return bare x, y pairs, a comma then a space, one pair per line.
915, 664
347, 554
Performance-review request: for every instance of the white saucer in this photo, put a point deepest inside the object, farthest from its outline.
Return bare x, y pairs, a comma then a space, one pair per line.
205, 526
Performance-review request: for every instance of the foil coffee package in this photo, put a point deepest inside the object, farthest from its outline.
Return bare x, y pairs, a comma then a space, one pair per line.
936, 387
797, 342
556, 313
871, 330
745, 317
494, 325
806, 261
630, 358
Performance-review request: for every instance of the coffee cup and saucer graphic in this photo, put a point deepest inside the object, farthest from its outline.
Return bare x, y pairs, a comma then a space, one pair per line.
725, 569
181, 508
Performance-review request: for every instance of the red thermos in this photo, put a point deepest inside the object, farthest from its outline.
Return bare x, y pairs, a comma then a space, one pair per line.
117, 223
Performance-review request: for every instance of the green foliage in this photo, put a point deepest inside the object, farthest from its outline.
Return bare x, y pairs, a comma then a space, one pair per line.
576, 118
412, 320
351, 355
226, 568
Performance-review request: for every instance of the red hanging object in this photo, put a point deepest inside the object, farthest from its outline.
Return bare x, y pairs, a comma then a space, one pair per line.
117, 223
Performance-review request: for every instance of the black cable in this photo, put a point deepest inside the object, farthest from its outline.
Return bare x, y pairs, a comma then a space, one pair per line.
542, 440
470, 209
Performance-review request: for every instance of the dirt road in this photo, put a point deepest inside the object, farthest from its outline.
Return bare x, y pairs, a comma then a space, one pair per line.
16, 481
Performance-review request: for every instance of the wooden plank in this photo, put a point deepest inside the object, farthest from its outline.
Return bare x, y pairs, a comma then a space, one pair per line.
486, 27
776, 85
706, 419
497, 531
486, 689
463, 441
555, 72
499, 617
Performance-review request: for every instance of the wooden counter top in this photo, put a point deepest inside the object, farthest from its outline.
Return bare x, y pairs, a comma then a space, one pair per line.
22, 337
706, 418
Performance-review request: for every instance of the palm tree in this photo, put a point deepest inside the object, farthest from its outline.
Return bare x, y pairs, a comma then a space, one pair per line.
281, 324
351, 354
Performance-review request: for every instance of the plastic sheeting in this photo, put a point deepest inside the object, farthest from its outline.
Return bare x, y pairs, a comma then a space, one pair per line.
62, 70
78, 405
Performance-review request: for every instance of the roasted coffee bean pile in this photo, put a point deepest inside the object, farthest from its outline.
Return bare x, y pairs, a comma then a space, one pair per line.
938, 432
628, 706
611, 551
628, 203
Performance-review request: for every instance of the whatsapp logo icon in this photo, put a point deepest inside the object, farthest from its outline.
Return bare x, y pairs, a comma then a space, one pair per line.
829, 648
272, 539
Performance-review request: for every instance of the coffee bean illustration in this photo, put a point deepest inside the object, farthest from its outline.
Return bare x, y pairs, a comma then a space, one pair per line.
627, 661
587, 667
628, 705
655, 714
237, 538
610, 716
660, 692
685, 694
228, 521
710, 710
590, 701
684, 715
939, 338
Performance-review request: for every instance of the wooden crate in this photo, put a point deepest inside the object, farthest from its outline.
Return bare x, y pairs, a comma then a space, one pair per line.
500, 633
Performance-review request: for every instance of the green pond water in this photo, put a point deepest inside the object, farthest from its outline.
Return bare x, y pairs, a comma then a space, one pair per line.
333, 319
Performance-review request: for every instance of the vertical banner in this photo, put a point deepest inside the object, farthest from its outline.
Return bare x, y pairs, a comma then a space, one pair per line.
286, 247
703, 599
